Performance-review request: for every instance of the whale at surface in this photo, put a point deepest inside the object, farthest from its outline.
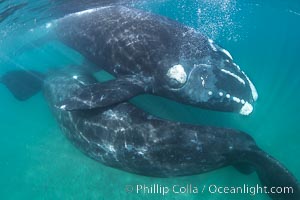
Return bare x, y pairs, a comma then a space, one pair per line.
124, 137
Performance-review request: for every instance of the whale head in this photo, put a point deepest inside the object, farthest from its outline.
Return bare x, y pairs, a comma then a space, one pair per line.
212, 81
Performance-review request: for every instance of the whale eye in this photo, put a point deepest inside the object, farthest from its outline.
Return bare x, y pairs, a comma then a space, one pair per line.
177, 75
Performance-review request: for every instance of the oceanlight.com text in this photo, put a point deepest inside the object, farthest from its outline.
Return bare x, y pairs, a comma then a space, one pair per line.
211, 189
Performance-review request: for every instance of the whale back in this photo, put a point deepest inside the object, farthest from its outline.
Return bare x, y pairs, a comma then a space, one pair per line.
122, 40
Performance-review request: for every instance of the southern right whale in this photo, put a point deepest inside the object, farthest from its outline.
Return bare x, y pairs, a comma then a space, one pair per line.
149, 53
125, 137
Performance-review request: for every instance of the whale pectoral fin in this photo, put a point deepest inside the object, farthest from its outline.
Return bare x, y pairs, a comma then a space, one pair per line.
23, 84
104, 94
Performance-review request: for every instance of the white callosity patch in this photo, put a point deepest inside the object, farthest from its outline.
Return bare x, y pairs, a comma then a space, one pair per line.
238, 100
252, 87
227, 53
215, 48
211, 43
177, 72
233, 75
238, 67
246, 109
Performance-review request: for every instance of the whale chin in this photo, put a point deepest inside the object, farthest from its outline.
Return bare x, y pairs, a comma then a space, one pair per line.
218, 89
246, 109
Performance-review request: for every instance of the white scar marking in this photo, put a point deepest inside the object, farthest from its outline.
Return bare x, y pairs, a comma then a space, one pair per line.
243, 101
86, 11
211, 43
81, 134
76, 78
202, 65
102, 97
177, 72
234, 75
111, 148
203, 81
227, 53
246, 109
252, 87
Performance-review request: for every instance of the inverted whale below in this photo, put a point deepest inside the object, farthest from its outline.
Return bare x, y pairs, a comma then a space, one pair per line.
152, 54
125, 137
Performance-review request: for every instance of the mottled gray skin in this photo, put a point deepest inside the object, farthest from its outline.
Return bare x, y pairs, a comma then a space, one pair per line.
127, 138
144, 46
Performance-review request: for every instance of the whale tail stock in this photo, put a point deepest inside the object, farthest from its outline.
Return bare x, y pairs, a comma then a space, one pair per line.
279, 181
23, 84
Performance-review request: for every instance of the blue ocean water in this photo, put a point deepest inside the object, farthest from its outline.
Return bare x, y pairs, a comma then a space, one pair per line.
38, 162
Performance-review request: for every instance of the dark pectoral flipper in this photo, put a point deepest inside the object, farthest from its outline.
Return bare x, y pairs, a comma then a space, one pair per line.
23, 84
105, 94
274, 175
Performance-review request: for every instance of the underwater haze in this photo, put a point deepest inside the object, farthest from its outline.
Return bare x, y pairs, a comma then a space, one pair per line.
38, 162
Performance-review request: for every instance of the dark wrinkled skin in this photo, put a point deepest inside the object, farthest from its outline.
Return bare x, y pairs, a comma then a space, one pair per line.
125, 137
130, 42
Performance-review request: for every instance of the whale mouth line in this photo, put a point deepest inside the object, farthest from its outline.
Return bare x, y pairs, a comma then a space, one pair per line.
246, 109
